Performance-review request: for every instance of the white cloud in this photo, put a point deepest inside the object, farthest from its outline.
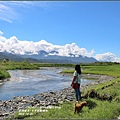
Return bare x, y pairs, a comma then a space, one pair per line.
6, 12
13, 45
1, 33
1, 37
8, 9
110, 57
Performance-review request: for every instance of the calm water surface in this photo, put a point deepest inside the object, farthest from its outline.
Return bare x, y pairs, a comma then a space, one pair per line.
29, 82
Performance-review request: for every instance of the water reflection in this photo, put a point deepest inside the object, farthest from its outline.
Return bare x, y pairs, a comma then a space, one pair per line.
29, 82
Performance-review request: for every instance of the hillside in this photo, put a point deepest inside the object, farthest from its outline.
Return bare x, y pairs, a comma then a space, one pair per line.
43, 57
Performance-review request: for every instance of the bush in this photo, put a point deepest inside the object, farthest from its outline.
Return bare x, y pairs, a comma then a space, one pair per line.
4, 74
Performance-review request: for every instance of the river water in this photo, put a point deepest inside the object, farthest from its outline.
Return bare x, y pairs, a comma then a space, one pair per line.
29, 82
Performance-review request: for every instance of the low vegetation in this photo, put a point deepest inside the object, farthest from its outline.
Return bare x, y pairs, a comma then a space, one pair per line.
18, 65
4, 74
95, 110
110, 70
4, 66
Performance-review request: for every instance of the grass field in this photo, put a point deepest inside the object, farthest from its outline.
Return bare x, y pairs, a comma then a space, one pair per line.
111, 70
13, 66
96, 109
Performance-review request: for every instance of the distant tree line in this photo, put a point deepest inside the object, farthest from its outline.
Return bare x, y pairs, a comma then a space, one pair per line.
101, 63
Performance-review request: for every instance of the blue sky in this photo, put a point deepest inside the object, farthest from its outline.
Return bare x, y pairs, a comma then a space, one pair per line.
91, 25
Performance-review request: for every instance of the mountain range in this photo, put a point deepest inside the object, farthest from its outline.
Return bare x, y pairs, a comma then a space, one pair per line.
42, 51
44, 56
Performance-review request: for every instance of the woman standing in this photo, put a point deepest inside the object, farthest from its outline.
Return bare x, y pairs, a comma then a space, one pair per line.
77, 79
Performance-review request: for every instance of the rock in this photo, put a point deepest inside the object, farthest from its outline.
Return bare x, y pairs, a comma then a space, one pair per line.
60, 102
92, 93
119, 117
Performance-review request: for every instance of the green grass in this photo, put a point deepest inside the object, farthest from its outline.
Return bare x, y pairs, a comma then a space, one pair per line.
26, 113
18, 65
13, 66
95, 110
110, 70
4, 74
111, 88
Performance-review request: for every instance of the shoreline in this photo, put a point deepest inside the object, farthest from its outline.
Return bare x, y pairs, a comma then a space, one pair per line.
4, 80
53, 98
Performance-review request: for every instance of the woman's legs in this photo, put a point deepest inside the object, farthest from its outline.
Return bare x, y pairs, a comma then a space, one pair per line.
78, 93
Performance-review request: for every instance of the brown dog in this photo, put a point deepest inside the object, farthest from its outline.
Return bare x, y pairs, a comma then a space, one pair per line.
78, 107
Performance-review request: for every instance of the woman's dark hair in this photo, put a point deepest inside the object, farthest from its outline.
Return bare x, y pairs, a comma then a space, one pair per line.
78, 69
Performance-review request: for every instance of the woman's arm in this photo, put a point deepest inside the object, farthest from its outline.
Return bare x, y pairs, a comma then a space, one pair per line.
74, 78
